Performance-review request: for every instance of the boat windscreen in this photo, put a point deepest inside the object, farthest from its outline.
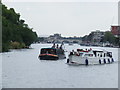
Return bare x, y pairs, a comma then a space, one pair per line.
48, 51
94, 53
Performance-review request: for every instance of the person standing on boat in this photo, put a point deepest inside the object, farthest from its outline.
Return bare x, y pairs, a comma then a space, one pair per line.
53, 45
61, 46
71, 53
57, 46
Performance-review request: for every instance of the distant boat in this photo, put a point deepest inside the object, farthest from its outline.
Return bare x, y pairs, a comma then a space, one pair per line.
51, 54
84, 44
91, 56
70, 43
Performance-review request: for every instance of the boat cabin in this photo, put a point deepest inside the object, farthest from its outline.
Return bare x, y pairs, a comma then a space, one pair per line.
91, 53
51, 54
48, 51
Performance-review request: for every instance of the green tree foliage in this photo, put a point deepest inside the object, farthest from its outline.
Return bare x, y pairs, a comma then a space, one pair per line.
90, 37
117, 41
40, 39
109, 37
14, 29
85, 38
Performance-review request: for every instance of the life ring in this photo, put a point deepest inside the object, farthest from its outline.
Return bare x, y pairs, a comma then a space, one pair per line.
86, 62
104, 61
99, 61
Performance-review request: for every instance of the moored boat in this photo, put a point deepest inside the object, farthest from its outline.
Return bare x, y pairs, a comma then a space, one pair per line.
91, 56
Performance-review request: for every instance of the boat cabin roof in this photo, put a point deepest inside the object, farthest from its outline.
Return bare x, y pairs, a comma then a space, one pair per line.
48, 48
94, 50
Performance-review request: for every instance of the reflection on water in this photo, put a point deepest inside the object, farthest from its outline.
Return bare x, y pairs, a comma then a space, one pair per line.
23, 69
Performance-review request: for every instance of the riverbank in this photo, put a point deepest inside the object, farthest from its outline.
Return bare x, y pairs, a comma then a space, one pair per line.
14, 45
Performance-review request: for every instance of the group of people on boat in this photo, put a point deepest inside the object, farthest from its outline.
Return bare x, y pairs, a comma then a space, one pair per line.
57, 46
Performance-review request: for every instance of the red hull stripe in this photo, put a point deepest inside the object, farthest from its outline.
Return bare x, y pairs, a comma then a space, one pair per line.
49, 55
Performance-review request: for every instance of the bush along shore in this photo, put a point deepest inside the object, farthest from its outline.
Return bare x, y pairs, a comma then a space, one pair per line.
15, 33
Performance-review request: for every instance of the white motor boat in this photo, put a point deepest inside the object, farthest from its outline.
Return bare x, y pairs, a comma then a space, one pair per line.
89, 56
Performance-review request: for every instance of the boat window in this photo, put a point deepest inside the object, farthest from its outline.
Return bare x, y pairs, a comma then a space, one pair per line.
86, 55
94, 53
98, 54
49, 51
109, 54
90, 55
104, 54
81, 54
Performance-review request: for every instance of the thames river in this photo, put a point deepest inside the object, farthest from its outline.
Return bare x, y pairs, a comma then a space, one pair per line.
23, 69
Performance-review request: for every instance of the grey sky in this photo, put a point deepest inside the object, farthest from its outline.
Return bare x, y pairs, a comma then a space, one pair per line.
67, 18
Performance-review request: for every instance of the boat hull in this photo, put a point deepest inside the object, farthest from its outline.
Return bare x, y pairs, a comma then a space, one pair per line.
48, 57
89, 60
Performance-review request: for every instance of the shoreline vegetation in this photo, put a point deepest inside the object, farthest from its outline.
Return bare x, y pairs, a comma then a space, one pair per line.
15, 33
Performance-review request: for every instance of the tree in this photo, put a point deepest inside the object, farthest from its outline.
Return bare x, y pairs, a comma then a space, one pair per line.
14, 29
109, 37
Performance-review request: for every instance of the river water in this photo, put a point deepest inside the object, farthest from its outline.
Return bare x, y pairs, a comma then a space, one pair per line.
23, 69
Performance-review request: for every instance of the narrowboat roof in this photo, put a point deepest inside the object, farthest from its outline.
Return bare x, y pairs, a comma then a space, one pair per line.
48, 48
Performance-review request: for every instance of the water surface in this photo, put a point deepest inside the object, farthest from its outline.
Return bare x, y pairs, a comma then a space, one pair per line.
23, 69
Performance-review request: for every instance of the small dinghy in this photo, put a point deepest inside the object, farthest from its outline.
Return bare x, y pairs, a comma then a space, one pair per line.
91, 56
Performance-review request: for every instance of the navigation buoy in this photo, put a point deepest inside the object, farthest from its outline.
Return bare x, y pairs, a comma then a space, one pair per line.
86, 62
104, 61
108, 60
99, 61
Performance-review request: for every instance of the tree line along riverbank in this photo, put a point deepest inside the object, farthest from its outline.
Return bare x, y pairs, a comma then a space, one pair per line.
15, 33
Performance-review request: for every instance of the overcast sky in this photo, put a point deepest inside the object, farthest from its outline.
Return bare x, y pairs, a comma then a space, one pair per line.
67, 18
